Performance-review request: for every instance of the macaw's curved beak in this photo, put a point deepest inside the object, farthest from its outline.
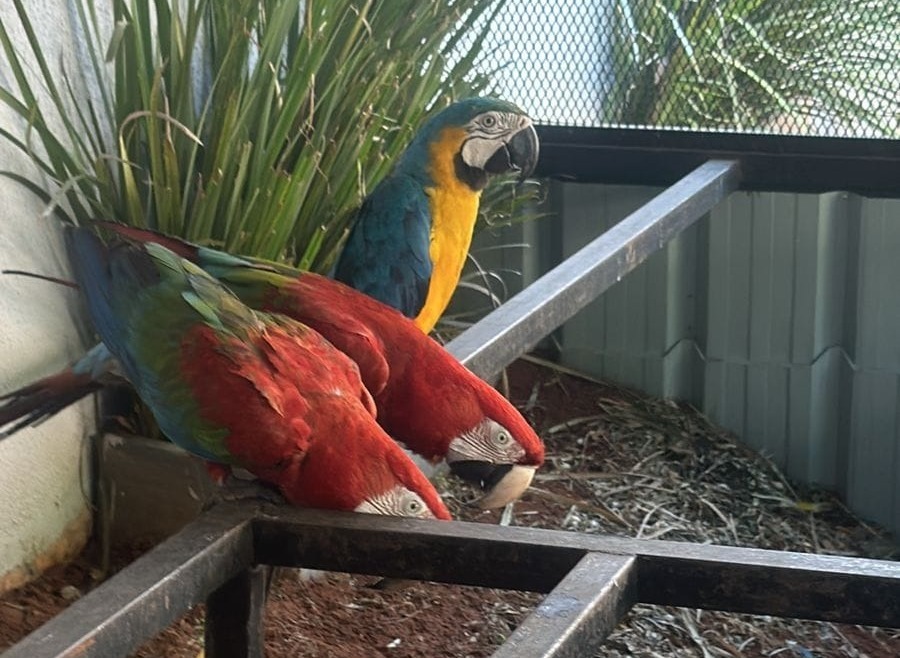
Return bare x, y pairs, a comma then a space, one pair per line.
518, 154
502, 483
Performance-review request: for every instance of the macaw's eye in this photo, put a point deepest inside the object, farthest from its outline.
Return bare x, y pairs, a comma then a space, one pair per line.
412, 506
502, 438
489, 121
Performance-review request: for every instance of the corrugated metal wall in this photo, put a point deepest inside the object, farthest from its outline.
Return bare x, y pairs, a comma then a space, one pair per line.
778, 316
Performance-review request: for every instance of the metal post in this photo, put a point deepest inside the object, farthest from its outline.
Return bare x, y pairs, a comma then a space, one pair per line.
234, 616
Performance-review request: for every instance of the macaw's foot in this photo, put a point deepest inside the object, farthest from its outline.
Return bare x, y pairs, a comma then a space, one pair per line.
234, 487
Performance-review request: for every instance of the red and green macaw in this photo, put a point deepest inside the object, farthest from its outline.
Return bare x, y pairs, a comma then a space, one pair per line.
425, 398
411, 236
245, 388
406, 248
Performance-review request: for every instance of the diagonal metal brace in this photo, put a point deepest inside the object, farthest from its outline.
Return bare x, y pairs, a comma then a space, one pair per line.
520, 323
150, 593
575, 618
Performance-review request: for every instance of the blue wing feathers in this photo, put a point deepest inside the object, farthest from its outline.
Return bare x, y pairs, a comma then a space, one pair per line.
91, 266
387, 253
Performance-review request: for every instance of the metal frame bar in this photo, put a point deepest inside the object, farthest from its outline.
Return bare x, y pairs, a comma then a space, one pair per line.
580, 612
592, 580
149, 594
747, 580
235, 616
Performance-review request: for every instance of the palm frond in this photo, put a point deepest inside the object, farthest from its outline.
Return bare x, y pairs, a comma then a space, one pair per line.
255, 125
746, 63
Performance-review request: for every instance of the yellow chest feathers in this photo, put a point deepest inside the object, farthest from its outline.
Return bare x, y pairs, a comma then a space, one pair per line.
454, 209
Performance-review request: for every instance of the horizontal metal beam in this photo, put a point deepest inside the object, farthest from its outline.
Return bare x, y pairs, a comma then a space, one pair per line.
149, 594
782, 584
575, 618
520, 323
405, 548
775, 163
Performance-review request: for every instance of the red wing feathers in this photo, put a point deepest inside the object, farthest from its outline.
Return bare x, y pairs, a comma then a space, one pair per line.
256, 439
323, 305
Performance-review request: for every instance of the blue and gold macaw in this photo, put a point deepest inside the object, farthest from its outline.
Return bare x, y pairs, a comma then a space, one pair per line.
411, 236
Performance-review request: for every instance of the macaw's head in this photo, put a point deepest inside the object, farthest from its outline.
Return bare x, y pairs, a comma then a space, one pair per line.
472, 139
354, 466
500, 452
403, 489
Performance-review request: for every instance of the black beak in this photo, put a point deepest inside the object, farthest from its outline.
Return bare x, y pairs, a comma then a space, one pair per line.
484, 474
519, 154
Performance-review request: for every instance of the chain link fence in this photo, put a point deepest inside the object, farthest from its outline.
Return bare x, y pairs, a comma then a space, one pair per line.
805, 67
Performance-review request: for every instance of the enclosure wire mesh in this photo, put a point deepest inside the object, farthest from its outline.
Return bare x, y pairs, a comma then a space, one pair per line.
805, 67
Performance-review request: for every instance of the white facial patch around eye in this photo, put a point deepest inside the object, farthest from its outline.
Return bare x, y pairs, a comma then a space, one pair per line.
493, 124
487, 441
488, 132
503, 442
476, 151
371, 506
397, 501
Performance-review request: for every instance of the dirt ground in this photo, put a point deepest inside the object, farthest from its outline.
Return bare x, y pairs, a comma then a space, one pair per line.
618, 462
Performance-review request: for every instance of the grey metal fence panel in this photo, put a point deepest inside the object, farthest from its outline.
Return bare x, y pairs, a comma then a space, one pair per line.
873, 463
779, 316
878, 347
620, 319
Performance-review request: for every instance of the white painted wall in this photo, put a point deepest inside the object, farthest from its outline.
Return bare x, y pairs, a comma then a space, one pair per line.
44, 485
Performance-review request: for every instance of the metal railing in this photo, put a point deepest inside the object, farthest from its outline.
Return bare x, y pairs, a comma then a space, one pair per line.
591, 580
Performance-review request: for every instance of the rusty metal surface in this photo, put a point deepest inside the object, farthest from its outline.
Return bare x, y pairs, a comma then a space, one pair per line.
520, 323
778, 583
575, 618
149, 594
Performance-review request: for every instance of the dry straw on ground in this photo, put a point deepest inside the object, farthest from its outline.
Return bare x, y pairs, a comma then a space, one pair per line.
642, 467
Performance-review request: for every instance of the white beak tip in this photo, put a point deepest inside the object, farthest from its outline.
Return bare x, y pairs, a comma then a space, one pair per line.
509, 488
